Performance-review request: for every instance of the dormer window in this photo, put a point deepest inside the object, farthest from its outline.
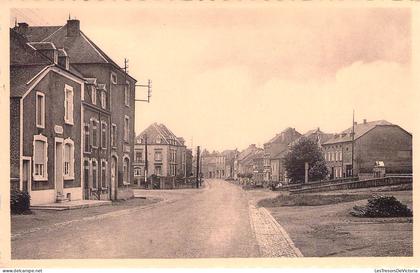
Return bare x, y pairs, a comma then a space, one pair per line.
93, 94
113, 78
103, 99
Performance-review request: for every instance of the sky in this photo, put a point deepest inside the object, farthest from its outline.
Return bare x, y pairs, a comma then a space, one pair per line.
228, 76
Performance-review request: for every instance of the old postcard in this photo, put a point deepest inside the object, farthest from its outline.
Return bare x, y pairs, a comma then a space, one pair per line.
151, 132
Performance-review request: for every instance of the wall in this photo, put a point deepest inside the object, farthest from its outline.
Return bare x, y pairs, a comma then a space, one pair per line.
14, 137
52, 85
389, 144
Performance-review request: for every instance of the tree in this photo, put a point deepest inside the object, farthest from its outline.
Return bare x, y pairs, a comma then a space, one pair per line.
305, 150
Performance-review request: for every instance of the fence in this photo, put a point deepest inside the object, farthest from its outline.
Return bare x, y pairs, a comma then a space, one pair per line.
368, 183
166, 182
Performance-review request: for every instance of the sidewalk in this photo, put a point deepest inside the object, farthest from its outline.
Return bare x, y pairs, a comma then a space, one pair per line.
272, 238
77, 204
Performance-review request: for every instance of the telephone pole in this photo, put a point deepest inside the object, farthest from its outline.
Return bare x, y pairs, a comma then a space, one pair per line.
146, 165
198, 167
352, 148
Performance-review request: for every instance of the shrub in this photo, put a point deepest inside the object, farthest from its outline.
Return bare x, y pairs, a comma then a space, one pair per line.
19, 201
382, 206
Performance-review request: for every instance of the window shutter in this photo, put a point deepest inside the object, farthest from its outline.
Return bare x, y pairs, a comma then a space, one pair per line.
39, 154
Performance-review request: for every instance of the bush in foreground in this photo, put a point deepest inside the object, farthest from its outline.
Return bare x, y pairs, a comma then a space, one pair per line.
382, 206
19, 201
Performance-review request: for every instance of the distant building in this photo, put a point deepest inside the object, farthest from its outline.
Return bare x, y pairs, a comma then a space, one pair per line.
373, 141
241, 162
273, 148
230, 156
213, 165
166, 154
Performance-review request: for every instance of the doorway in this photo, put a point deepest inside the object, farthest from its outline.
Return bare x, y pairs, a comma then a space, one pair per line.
58, 167
114, 177
26, 175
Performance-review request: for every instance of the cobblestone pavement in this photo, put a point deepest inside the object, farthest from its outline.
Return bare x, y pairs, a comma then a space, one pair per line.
272, 239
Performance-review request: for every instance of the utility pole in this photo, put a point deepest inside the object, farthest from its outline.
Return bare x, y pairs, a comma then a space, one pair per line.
146, 163
352, 148
198, 166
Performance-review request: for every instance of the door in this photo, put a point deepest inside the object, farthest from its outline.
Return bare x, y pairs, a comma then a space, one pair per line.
26, 175
59, 168
86, 181
114, 176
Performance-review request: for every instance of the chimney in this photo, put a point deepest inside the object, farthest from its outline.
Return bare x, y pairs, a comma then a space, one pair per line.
364, 121
355, 123
73, 28
22, 28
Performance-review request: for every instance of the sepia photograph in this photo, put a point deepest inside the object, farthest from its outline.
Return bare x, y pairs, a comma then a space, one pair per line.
210, 131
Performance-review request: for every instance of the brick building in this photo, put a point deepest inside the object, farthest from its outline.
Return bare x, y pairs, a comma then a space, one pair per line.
241, 162
273, 148
213, 165
373, 141
166, 154
45, 121
106, 112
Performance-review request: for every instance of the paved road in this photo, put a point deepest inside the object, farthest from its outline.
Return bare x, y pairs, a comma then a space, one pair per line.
209, 223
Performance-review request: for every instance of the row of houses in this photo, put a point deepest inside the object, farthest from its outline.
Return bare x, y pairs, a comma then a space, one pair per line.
353, 152
72, 111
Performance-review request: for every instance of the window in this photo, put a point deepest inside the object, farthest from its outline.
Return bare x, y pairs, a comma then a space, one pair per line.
40, 110
40, 158
113, 78
86, 172
127, 94
94, 174
104, 134
126, 128
139, 156
137, 172
103, 99
126, 170
93, 94
68, 104
86, 139
158, 155
158, 140
94, 135
114, 135
68, 171
158, 170
103, 174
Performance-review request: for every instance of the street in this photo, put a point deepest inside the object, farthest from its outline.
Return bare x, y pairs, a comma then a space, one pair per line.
206, 223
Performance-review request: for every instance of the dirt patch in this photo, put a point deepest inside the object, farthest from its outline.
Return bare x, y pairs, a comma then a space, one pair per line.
329, 230
311, 199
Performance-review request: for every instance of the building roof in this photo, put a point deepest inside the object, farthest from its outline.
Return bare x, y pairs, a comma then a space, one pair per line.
155, 131
280, 155
80, 48
43, 45
278, 137
248, 151
40, 33
359, 130
21, 78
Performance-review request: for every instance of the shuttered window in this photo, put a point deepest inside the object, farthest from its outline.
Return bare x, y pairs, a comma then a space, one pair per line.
40, 110
68, 170
68, 104
40, 159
